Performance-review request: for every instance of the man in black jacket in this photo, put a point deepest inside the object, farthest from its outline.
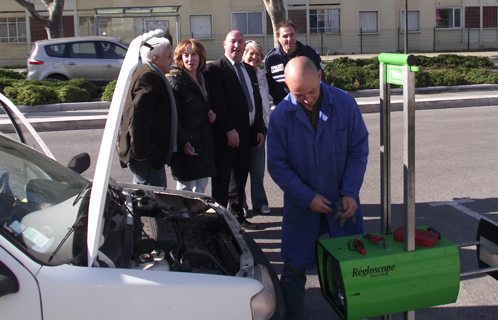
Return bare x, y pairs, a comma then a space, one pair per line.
277, 59
236, 101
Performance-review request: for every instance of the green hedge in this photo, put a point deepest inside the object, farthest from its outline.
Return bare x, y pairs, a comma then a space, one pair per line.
30, 95
35, 92
444, 70
109, 91
345, 73
10, 74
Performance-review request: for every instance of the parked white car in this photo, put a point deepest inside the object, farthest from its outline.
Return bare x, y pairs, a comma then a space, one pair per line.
77, 249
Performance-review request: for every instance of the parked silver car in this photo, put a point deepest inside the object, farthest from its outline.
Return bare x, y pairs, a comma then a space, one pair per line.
97, 59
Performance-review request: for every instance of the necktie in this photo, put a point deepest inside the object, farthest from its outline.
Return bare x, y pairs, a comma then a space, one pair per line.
244, 85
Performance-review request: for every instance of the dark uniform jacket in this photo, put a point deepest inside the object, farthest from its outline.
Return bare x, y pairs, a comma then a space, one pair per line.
275, 63
193, 127
145, 131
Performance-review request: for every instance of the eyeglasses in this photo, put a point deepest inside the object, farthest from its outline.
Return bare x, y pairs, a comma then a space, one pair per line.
149, 46
252, 41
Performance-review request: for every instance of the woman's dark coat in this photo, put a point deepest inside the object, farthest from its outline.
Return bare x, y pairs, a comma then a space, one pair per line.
193, 127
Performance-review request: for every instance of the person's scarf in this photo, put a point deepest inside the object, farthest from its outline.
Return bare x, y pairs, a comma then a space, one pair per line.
174, 114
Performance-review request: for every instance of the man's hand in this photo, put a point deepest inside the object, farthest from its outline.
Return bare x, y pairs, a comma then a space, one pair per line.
349, 205
261, 139
320, 204
189, 150
233, 138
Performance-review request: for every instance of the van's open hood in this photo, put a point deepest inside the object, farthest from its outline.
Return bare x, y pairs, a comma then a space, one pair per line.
107, 148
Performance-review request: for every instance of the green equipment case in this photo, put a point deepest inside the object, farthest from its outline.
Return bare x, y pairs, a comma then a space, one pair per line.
386, 280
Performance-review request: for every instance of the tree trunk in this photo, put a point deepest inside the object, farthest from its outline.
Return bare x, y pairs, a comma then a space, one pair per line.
52, 24
277, 13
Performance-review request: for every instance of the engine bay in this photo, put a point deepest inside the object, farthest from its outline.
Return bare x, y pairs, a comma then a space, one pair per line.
168, 232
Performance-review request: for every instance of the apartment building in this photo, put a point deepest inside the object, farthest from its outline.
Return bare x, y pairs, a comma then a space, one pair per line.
330, 26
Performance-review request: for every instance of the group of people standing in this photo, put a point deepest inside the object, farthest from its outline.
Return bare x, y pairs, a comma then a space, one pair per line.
212, 120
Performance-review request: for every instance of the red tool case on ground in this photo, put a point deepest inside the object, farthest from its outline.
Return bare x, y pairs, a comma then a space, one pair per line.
422, 237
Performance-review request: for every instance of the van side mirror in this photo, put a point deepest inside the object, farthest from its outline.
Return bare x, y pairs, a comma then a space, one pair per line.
80, 163
8, 281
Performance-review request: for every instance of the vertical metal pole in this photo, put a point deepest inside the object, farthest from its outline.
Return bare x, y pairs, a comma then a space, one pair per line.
409, 157
321, 37
409, 164
468, 38
361, 40
406, 27
178, 30
434, 39
96, 21
385, 150
398, 40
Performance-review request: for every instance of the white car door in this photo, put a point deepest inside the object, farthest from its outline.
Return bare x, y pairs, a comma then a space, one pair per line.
25, 303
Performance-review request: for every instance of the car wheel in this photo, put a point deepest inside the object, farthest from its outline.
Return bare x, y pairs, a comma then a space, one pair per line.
57, 77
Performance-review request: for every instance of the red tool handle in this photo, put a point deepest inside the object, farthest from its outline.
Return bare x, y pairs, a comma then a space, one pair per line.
359, 246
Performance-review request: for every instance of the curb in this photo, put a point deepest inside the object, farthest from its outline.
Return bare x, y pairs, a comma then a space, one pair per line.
427, 90
427, 104
93, 115
73, 106
56, 107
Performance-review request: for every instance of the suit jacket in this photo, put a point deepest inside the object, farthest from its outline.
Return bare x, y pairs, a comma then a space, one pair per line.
230, 104
145, 131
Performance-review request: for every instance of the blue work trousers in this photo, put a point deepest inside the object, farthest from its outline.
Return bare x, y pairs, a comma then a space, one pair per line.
293, 281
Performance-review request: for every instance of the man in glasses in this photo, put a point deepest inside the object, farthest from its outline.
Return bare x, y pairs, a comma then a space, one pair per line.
277, 59
147, 136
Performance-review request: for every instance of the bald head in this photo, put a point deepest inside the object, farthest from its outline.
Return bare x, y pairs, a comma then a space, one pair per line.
300, 66
234, 45
303, 80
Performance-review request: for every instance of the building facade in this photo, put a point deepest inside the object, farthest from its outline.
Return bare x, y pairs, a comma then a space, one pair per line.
330, 26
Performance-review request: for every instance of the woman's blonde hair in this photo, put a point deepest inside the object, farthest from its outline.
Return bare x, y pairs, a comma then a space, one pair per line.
254, 45
197, 46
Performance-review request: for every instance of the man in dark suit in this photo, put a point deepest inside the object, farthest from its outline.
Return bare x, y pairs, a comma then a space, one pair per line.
237, 103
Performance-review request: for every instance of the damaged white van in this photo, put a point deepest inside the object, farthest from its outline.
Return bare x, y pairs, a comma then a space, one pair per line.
77, 249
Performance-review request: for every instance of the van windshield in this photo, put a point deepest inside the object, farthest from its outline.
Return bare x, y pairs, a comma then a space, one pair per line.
37, 203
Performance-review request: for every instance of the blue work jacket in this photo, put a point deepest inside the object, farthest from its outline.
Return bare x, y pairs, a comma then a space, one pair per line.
303, 163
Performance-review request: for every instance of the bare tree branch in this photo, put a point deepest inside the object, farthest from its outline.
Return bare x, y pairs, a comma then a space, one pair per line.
276, 11
52, 23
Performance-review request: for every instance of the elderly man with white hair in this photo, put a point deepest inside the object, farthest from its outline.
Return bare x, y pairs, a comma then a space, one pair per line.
147, 137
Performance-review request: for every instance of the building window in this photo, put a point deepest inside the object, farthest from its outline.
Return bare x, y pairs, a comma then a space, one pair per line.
448, 18
368, 21
325, 21
472, 17
38, 32
201, 26
489, 17
298, 17
413, 20
13, 30
87, 26
249, 23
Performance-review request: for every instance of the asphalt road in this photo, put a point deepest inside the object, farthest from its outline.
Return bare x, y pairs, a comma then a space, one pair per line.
456, 183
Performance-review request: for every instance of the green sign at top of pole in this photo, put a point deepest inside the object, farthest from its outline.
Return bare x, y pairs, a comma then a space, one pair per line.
398, 59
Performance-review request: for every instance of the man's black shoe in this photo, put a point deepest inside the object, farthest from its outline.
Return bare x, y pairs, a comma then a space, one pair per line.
248, 225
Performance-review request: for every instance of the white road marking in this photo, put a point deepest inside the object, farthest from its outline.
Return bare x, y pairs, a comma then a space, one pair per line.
457, 205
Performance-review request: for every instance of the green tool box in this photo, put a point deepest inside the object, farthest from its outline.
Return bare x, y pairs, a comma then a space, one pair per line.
386, 281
